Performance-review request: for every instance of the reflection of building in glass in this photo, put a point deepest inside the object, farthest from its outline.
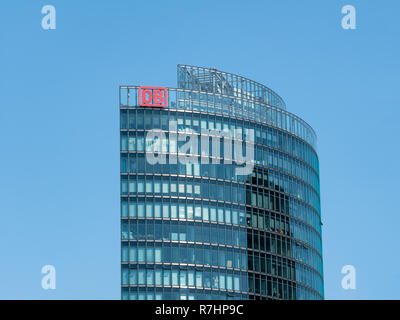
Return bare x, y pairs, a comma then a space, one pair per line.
198, 230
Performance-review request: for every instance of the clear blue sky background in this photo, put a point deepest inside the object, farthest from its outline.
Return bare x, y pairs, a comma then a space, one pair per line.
59, 164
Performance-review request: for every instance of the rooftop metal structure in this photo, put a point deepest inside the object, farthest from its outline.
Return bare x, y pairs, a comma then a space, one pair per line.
212, 80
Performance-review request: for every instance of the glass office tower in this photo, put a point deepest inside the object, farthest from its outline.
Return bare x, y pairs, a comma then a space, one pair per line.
199, 229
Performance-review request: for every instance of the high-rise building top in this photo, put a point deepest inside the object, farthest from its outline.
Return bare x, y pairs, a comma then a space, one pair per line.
219, 192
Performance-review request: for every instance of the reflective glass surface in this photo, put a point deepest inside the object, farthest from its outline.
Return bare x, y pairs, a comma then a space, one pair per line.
201, 231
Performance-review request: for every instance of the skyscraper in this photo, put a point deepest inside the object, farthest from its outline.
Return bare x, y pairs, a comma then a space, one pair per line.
219, 192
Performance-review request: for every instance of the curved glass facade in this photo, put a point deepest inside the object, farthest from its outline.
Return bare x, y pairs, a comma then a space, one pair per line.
198, 229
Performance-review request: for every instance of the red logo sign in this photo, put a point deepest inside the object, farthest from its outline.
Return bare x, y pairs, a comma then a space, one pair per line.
153, 97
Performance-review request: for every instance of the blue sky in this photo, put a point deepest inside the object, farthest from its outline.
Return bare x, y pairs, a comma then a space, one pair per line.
59, 169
